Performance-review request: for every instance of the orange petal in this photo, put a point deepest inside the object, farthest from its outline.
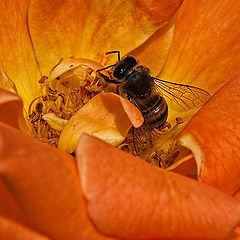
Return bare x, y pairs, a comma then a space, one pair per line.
9, 207
11, 111
17, 58
213, 137
205, 50
88, 29
107, 116
10, 230
6, 83
130, 199
154, 51
237, 230
44, 182
185, 166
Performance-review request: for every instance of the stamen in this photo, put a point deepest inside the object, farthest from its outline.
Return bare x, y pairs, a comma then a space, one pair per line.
61, 97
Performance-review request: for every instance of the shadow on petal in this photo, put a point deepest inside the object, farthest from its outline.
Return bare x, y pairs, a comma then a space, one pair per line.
10, 230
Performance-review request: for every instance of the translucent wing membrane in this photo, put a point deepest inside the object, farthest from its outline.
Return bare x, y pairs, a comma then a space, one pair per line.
181, 97
143, 141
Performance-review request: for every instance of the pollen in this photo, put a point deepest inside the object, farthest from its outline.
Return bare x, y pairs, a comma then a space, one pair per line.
69, 86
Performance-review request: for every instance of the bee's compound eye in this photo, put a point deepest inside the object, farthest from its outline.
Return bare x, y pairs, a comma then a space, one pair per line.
119, 73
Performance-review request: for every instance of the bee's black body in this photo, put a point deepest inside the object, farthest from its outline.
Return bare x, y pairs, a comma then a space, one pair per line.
135, 83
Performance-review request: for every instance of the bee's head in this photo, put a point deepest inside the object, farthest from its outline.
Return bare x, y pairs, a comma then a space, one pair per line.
123, 66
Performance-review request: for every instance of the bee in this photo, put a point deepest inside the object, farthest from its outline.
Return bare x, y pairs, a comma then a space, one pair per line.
152, 96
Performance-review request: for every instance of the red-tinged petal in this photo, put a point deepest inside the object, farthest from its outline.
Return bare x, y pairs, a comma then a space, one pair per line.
213, 136
107, 116
17, 58
130, 199
45, 184
205, 50
11, 110
10, 230
91, 28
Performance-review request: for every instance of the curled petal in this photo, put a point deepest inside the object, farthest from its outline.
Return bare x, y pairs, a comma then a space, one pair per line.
71, 63
11, 111
45, 184
205, 51
89, 29
213, 136
17, 58
130, 199
107, 116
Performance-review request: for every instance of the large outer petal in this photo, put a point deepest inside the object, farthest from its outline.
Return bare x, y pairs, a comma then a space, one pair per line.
17, 58
213, 135
45, 184
205, 50
90, 28
129, 198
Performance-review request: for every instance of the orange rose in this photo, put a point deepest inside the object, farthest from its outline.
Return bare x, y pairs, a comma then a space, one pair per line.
103, 192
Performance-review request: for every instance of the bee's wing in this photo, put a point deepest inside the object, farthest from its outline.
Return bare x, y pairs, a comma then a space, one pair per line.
181, 97
143, 141
142, 137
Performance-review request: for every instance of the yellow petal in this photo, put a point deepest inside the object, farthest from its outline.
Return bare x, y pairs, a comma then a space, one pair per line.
16, 53
205, 50
60, 29
105, 116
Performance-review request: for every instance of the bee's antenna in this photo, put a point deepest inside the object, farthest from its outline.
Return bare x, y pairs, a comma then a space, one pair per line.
118, 52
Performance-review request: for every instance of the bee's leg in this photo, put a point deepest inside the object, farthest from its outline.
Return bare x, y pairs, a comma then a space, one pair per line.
99, 70
134, 143
106, 78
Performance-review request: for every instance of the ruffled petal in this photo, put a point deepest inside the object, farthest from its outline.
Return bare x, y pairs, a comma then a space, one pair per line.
89, 29
10, 230
130, 199
45, 184
213, 137
17, 58
107, 116
11, 111
205, 50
